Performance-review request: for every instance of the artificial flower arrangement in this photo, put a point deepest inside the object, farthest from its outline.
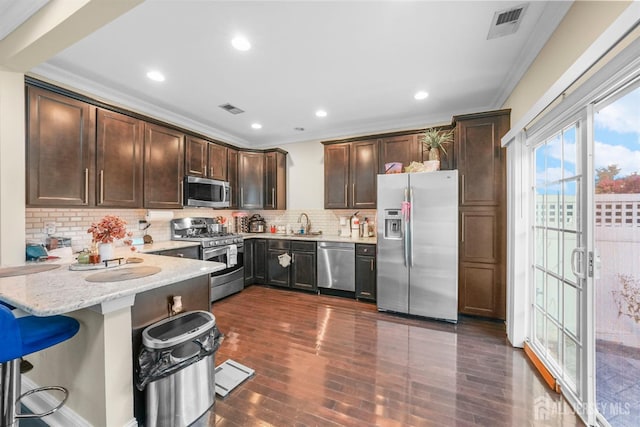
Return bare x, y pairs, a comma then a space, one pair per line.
109, 228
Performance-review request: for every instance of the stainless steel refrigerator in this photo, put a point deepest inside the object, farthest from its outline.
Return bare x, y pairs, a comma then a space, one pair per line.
417, 262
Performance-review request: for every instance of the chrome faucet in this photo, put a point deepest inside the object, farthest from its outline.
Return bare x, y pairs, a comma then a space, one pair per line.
307, 226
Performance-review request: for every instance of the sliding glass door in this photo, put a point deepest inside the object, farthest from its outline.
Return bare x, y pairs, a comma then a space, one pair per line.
558, 272
617, 241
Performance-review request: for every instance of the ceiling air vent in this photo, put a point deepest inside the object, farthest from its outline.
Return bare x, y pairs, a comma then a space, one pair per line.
231, 108
506, 22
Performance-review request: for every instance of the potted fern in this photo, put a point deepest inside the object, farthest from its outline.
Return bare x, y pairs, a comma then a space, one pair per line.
432, 140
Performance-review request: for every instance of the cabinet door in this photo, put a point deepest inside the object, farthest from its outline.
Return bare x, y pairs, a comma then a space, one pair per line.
303, 270
119, 160
275, 180
217, 162
364, 174
260, 260
163, 167
336, 176
404, 149
276, 274
60, 150
248, 260
251, 177
196, 157
481, 160
366, 277
232, 176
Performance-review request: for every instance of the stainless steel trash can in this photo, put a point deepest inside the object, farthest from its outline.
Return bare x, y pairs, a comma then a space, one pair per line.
177, 364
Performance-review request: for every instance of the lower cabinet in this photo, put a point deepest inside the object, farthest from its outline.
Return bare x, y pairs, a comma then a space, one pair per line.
366, 272
277, 275
301, 271
303, 265
255, 267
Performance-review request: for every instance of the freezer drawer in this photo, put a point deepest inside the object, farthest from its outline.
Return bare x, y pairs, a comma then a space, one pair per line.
336, 266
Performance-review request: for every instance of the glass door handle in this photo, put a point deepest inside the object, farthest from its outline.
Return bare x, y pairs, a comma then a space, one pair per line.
575, 267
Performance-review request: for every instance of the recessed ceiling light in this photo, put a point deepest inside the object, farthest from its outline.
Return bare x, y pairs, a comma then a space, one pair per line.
241, 43
156, 76
256, 125
420, 95
321, 113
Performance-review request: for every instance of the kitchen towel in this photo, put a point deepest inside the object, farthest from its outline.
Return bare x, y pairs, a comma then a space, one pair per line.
232, 256
284, 260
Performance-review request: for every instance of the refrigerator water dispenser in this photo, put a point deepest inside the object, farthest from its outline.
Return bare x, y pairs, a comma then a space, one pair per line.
392, 224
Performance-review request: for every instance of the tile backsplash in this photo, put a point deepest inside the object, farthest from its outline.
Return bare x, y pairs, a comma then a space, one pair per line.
74, 222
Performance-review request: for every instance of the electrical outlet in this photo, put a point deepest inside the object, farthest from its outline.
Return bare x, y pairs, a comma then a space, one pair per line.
50, 228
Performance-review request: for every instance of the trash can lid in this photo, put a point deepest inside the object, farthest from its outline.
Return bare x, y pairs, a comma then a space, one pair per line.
177, 329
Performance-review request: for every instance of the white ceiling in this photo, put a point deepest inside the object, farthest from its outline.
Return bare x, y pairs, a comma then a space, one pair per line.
361, 61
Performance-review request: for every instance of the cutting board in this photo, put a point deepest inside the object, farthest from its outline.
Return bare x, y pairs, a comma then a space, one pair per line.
23, 270
121, 274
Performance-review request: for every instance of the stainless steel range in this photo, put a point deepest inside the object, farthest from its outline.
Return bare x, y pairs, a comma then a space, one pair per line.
215, 245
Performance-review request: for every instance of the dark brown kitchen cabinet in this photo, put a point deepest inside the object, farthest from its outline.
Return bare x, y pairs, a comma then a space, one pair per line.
364, 174
275, 180
248, 247
366, 272
232, 177
277, 275
303, 265
60, 150
403, 149
481, 162
260, 261
251, 180
119, 154
205, 159
163, 167
350, 173
336, 176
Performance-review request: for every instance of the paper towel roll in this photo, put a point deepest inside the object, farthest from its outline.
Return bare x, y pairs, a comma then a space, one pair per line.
157, 215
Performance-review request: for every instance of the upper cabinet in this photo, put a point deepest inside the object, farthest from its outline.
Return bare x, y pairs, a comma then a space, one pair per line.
163, 167
275, 180
60, 150
251, 180
404, 149
363, 174
205, 159
232, 177
350, 175
119, 156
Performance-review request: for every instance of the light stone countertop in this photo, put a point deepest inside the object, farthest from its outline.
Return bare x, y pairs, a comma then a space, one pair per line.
311, 238
164, 245
62, 290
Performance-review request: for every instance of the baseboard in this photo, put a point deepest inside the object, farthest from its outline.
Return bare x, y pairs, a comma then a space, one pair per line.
64, 417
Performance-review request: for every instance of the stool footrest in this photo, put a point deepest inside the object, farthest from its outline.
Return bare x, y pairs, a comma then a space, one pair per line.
38, 390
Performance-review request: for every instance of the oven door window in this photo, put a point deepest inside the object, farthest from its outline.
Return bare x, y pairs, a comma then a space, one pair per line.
221, 255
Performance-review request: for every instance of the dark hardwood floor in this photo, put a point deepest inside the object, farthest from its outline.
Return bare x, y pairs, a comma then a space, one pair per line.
329, 361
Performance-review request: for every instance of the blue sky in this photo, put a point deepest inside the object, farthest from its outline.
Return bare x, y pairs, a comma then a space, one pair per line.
617, 141
617, 134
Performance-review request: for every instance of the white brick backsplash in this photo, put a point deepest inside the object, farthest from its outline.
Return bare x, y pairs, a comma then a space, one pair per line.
73, 223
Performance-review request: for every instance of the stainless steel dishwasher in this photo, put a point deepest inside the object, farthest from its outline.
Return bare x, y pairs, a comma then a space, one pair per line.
337, 266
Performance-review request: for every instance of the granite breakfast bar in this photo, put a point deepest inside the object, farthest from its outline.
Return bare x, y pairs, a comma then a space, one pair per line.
96, 365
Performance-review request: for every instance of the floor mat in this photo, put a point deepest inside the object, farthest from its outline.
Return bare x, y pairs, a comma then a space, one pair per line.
230, 375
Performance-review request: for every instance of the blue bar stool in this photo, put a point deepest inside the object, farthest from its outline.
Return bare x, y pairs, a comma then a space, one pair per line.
19, 337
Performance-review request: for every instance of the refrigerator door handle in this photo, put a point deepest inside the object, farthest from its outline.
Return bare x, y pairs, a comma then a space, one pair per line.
411, 226
405, 232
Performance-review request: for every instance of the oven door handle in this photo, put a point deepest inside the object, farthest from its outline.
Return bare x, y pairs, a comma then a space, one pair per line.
211, 252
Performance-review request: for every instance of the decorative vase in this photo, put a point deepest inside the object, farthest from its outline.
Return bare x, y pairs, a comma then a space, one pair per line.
106, 251
431, 165
434, 154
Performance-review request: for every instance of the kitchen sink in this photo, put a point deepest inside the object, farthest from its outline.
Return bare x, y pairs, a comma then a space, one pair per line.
309, 234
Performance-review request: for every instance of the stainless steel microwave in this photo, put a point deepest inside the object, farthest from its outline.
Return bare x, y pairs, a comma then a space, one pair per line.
206, 192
